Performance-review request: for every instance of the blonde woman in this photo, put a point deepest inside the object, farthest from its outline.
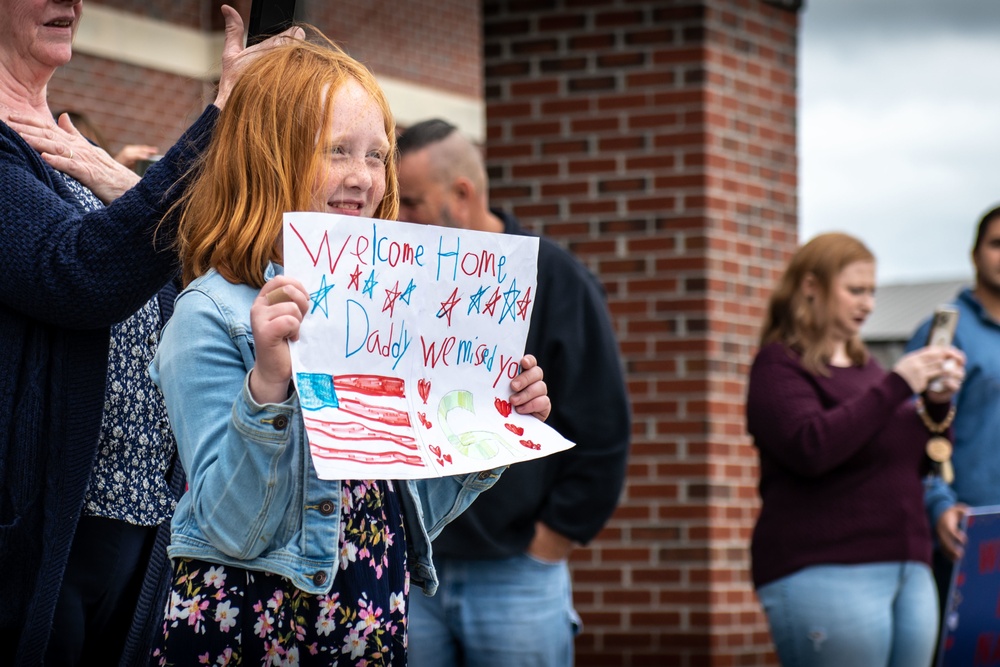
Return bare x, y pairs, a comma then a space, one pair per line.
842, 547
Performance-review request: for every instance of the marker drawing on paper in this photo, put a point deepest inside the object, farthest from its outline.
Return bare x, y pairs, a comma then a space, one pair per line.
412, 336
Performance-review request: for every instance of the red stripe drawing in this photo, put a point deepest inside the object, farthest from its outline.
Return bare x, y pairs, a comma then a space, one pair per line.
366, 421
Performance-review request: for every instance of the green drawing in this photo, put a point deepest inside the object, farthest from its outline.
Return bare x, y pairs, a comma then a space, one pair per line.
480, 445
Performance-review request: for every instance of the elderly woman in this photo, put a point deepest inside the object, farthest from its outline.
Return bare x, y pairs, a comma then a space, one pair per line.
83, 432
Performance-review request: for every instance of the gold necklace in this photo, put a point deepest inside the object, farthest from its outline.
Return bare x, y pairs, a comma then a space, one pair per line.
938, 447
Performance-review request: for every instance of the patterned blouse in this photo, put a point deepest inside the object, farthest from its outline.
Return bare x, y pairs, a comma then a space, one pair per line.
136, 445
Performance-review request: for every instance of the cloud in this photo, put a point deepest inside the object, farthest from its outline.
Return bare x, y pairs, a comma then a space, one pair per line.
900, 128
849, 20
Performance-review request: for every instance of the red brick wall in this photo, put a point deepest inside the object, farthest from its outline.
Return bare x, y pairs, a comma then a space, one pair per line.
128, 104
435, 43
656, 140
139, 105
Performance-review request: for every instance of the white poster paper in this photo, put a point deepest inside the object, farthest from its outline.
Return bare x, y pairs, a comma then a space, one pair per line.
404, 359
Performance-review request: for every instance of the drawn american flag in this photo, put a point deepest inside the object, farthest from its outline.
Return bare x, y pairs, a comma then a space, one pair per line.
358, 419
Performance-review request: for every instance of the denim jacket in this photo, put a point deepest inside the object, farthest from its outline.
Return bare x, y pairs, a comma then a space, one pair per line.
254, 499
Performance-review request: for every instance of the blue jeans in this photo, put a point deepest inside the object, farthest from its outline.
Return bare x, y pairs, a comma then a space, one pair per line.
870, 615
494, 613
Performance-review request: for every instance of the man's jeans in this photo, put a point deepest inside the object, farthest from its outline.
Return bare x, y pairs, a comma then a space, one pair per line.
883, 614
494, 613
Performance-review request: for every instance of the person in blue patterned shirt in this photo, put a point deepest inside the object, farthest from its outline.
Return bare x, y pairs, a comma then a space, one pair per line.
82, 429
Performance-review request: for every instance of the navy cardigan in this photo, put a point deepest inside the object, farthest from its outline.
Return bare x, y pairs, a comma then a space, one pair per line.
68, 277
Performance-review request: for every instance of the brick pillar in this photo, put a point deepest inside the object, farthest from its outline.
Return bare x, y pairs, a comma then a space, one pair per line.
656, 140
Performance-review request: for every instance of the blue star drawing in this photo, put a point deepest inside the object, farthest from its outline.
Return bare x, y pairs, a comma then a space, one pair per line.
509, 301
318, 297
475, 301
407, 293
370, 284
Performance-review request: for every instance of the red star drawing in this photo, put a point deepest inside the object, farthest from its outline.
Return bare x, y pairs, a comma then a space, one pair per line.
390, 299
355, 279
449, 305
491, 305
523, 303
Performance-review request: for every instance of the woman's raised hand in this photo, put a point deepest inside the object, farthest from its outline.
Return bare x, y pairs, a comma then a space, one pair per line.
944, 364
235, 56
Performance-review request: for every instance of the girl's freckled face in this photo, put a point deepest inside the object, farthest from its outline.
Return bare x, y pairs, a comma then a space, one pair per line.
351, 179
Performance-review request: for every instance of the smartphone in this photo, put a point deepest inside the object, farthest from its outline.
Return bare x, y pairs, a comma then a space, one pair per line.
943, 326
269, 17
941, 334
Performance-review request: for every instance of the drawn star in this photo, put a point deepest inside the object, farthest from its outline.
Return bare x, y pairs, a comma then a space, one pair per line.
475, 301
407, 293
318, 297
390, 299
370, 284
491, 305
522, 305
509, 301
355, 279
448, 305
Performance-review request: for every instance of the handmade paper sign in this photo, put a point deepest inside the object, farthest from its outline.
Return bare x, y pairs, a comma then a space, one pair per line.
970, 634
404, 359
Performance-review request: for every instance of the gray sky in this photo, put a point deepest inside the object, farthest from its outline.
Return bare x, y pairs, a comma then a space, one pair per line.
899, 128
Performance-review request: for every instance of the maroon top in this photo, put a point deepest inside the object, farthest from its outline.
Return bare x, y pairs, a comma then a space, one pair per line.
841, 461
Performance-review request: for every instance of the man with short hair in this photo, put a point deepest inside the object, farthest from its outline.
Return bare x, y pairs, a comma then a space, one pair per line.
505, 598
976, 453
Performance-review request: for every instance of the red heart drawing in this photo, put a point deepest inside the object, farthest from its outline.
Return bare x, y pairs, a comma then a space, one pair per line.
530, 445
447, 457
424, 420
515, 429
435, 450
503, 407
424, 389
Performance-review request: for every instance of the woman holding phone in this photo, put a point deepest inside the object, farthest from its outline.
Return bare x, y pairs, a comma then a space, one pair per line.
841, 550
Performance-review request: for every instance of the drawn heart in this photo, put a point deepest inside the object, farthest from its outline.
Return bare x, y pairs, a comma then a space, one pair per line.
423, 420
503, 407
435, 450
447, 457
515, 429
530, 445
424, 389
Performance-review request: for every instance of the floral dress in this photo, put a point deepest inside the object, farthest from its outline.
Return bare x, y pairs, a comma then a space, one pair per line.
224, 615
